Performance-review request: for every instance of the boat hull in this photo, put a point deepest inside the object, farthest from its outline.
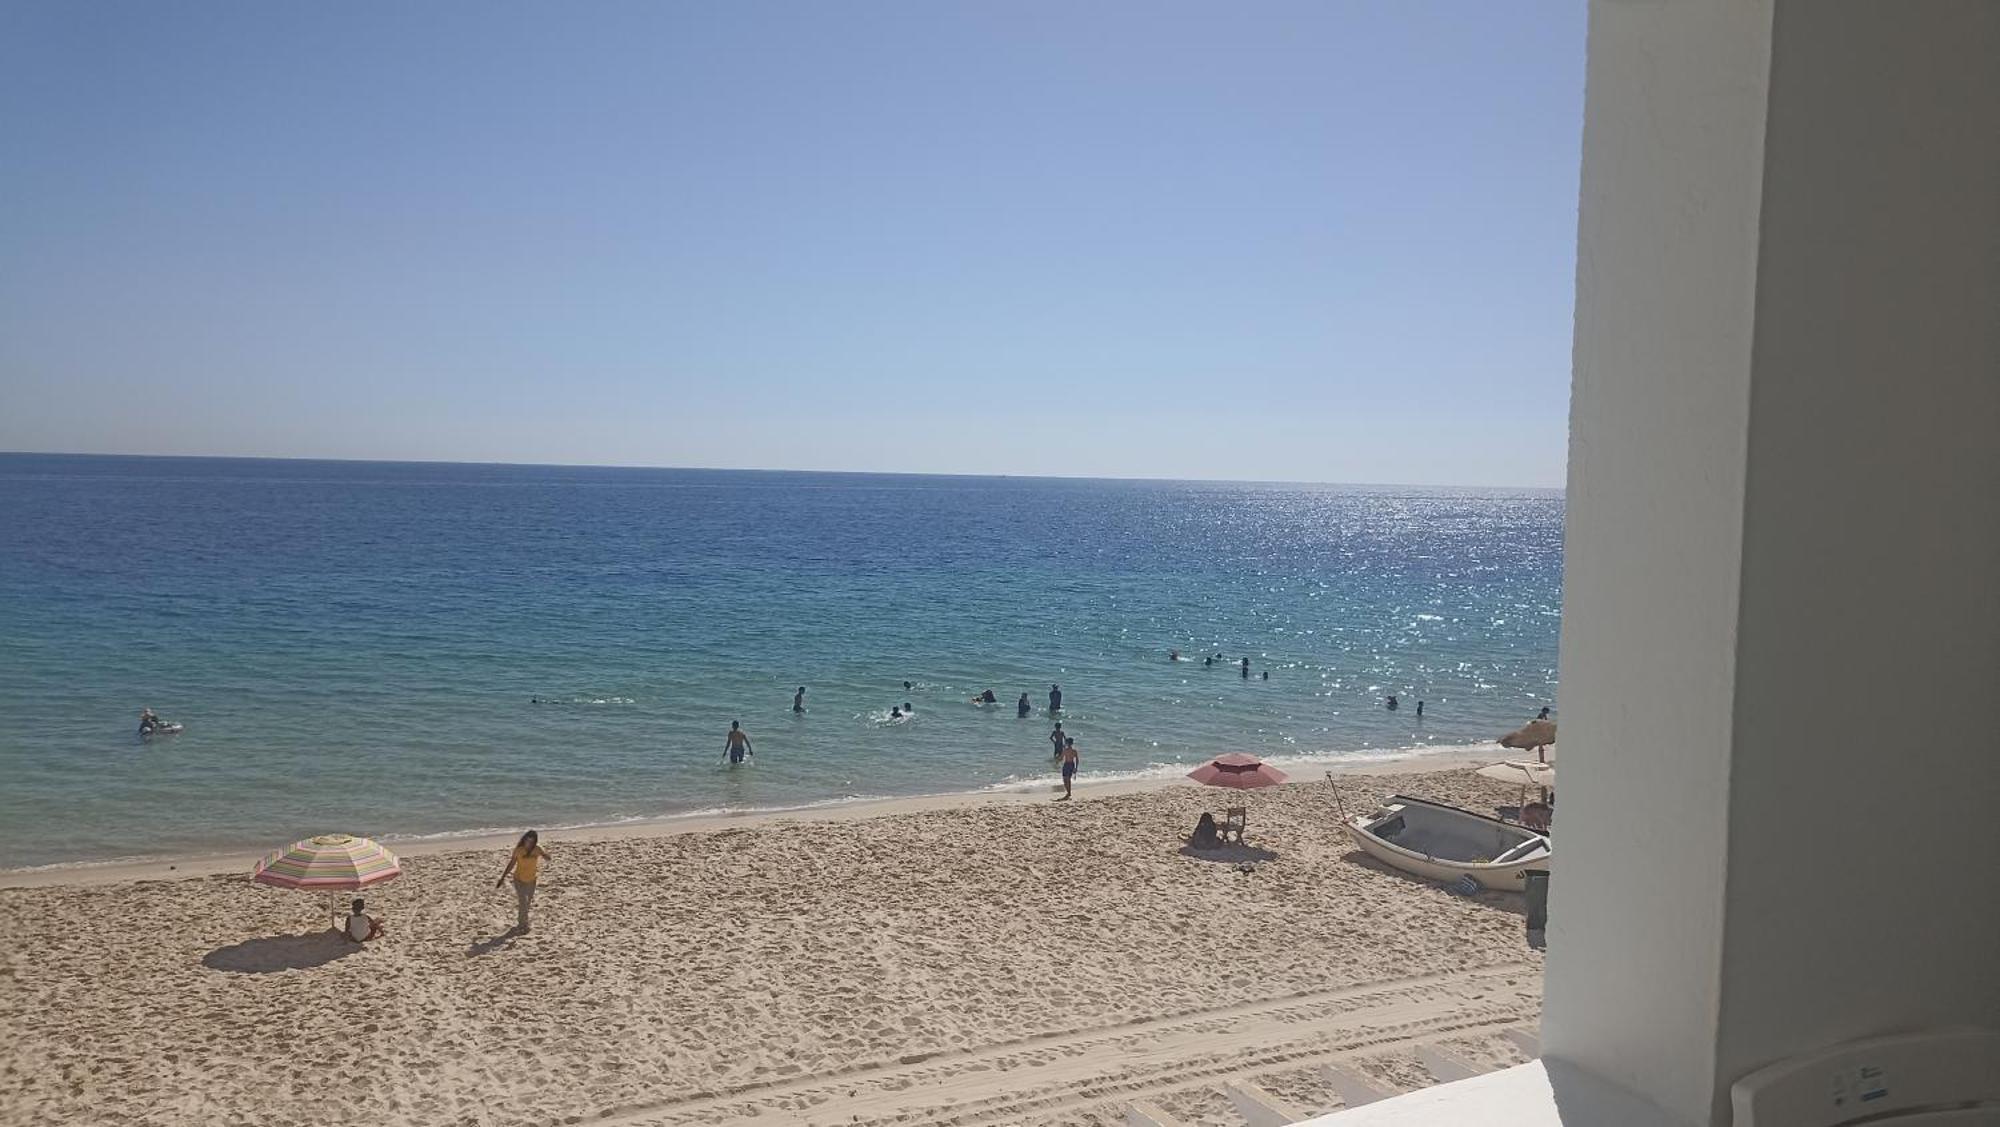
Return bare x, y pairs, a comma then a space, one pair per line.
1516, 850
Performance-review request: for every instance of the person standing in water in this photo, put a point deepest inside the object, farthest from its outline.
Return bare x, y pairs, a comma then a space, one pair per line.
737, 747
1543, 714
1069, 766
1058, 737
1391, 703
1420, 710
799, 700
1055, 699
524, 865
1246, 669
1022, 707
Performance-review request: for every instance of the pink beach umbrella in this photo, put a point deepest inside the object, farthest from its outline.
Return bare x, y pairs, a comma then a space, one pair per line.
1237, 771
329, 863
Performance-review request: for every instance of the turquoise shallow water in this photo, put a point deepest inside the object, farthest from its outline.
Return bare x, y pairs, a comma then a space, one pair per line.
357, 645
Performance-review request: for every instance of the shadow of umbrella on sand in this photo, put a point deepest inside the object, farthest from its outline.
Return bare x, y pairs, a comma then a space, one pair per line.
275, 953
331, 864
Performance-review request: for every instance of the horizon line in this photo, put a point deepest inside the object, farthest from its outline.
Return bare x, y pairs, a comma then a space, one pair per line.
755, 469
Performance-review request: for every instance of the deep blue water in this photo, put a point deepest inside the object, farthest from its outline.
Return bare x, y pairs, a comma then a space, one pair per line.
356, 645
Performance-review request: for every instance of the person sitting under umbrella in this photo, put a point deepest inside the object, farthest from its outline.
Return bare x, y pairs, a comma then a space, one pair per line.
361, 927
1205, 835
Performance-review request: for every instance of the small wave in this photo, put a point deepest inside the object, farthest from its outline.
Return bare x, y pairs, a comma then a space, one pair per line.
101, 863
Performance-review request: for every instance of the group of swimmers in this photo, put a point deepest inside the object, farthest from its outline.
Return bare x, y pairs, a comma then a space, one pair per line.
1021, 707
1208, 662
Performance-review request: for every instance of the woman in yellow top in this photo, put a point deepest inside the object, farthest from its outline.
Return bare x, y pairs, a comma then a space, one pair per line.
524, 866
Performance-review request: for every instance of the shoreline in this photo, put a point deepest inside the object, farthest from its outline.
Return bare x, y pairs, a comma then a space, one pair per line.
1402, 761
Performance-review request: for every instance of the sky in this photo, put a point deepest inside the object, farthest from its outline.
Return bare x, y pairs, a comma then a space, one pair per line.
1286, 241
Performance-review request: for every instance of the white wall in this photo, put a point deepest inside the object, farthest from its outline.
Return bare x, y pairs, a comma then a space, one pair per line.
1864, 795
1781, 637
1659, 417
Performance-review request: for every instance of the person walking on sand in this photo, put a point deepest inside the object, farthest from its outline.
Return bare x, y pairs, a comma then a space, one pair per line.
1057, 738
524, 865
736, 748
1069, 764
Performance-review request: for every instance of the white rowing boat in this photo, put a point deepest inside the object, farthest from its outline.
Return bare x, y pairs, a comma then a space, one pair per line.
1444, 843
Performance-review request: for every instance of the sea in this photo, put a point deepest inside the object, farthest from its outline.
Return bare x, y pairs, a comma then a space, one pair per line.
416, 650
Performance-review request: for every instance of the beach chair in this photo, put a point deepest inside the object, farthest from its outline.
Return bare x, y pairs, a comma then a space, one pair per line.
1232, 822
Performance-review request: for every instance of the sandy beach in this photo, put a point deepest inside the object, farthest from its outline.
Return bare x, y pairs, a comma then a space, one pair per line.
1006, 960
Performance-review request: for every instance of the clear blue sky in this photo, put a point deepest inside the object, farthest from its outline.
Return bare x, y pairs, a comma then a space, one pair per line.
1313, 241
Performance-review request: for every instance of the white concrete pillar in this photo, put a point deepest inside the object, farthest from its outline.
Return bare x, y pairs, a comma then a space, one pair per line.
1780, 814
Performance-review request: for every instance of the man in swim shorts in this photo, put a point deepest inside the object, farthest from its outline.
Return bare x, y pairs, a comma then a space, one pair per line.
737, 748
1069, 763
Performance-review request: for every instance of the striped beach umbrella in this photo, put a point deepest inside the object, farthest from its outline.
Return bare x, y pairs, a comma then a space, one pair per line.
329, 863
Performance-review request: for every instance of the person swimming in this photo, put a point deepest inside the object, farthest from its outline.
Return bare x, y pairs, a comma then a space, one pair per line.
895, 713
1391, 703
1543, 714
1173, 655
907, 686
908, 708
986, 697
1208, 661
737, 747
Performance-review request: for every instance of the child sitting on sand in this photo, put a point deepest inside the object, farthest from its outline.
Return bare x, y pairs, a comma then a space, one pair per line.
361, 927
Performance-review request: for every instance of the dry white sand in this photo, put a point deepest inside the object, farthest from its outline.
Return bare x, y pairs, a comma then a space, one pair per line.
1002, 962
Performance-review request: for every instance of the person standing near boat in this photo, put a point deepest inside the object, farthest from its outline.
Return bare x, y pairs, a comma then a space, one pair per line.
524, 865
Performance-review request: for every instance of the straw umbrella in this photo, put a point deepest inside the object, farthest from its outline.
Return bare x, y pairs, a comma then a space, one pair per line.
1535, 735
331, 864
1237, 771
